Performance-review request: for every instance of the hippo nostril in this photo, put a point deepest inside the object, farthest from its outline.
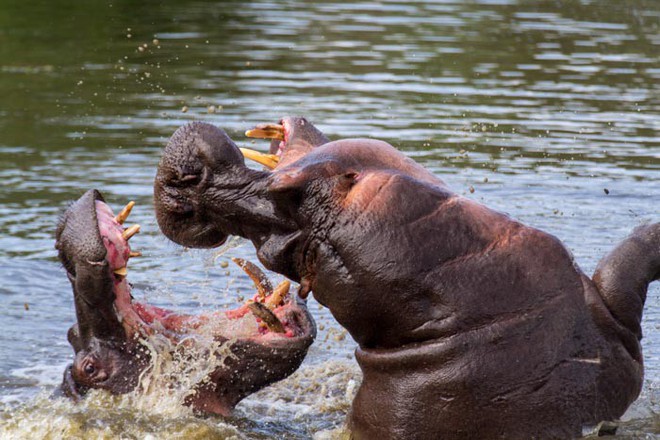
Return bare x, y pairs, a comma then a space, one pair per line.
185, 209
89, 369
189, 179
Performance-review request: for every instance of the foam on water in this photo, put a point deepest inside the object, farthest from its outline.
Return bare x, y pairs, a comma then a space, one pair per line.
311, 403
102, 416
326, 388
176, 369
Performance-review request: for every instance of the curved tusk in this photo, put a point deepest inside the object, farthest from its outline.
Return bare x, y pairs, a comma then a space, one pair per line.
128, 233
124, 213
262, 312
267, 131
280, 292
123, 271
260, 280
267, 160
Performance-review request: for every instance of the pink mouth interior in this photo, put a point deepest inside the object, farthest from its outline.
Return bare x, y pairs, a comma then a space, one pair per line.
282, 146
141, 319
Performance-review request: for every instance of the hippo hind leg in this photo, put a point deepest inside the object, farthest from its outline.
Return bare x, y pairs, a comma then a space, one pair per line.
623, 275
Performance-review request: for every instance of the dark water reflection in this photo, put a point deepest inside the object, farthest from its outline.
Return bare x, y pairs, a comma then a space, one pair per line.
536, 106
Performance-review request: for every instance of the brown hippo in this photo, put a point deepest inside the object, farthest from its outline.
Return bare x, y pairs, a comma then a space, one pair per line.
111, 327
469, 323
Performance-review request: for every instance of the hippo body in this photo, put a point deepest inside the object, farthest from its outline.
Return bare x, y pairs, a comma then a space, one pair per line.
471, 320
469, 323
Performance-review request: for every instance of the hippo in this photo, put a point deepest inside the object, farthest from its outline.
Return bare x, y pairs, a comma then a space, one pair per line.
115, 338
469, 324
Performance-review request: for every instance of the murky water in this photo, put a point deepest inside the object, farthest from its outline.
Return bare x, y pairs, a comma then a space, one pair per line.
547, 110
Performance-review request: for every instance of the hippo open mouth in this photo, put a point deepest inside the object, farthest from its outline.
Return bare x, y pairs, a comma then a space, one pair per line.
291, 138
268, 336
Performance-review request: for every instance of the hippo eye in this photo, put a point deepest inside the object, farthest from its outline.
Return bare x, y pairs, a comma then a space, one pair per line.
349, 179
92, 373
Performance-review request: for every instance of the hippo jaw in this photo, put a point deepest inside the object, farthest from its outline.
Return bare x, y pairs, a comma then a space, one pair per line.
273, 209
291, 138
111, 327
204, 192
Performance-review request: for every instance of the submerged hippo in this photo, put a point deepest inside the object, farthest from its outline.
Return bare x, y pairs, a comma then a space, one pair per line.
469, 323
111, 327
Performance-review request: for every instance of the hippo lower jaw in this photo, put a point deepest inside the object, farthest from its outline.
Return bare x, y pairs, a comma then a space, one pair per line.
143, 320
268, 336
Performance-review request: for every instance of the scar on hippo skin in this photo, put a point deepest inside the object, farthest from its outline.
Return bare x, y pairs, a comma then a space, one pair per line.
93, 247
470, 325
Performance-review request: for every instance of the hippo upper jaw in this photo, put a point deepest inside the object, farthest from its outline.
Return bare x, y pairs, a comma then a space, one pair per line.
110, 325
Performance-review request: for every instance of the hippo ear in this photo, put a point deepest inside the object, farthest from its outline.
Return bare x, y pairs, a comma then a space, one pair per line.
295, 178
289, 180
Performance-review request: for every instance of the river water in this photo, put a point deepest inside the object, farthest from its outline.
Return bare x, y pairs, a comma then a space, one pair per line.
546, 110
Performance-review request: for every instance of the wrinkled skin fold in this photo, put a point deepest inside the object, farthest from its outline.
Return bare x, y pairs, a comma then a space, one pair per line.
469, 323
106, 338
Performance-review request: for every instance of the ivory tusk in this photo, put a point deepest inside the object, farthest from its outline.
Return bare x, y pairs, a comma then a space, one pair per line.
267, 131
280, 292
128, 233
124, 213
262, 312
260, 280
267, 160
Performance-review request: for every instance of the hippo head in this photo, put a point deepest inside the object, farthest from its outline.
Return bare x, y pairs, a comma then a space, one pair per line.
291, 212
109, 337
205, 192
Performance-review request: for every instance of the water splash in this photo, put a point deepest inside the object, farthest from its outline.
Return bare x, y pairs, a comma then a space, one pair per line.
313, 402
103, 416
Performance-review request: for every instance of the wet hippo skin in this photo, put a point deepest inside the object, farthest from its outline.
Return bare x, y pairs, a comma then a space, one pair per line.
469, 323
115, 338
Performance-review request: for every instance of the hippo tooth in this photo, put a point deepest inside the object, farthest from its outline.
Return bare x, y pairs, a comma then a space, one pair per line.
132, 254
279, 294
267, 160
267, 131
128, 233
124, 213
123, 271
262, 312
260, 280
